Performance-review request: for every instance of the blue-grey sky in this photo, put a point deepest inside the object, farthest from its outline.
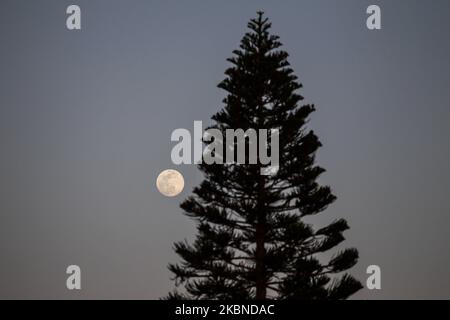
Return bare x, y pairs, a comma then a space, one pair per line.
86, 118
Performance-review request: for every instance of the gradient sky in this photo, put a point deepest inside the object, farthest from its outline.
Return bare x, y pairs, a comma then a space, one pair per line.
86, 118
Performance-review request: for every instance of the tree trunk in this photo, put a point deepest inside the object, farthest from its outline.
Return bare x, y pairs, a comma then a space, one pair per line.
260, 251
260, 268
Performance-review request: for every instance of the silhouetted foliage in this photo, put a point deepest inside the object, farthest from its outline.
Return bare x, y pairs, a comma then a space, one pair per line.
252, 241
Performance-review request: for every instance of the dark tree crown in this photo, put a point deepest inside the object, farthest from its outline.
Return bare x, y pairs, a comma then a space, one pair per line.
252, 241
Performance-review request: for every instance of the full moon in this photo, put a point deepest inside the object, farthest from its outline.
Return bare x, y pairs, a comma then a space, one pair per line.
170, 183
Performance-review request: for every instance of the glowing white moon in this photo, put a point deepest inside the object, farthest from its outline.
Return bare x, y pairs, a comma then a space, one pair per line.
170, 183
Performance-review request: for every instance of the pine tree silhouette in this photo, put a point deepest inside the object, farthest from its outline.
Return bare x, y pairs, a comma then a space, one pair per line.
252, 242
